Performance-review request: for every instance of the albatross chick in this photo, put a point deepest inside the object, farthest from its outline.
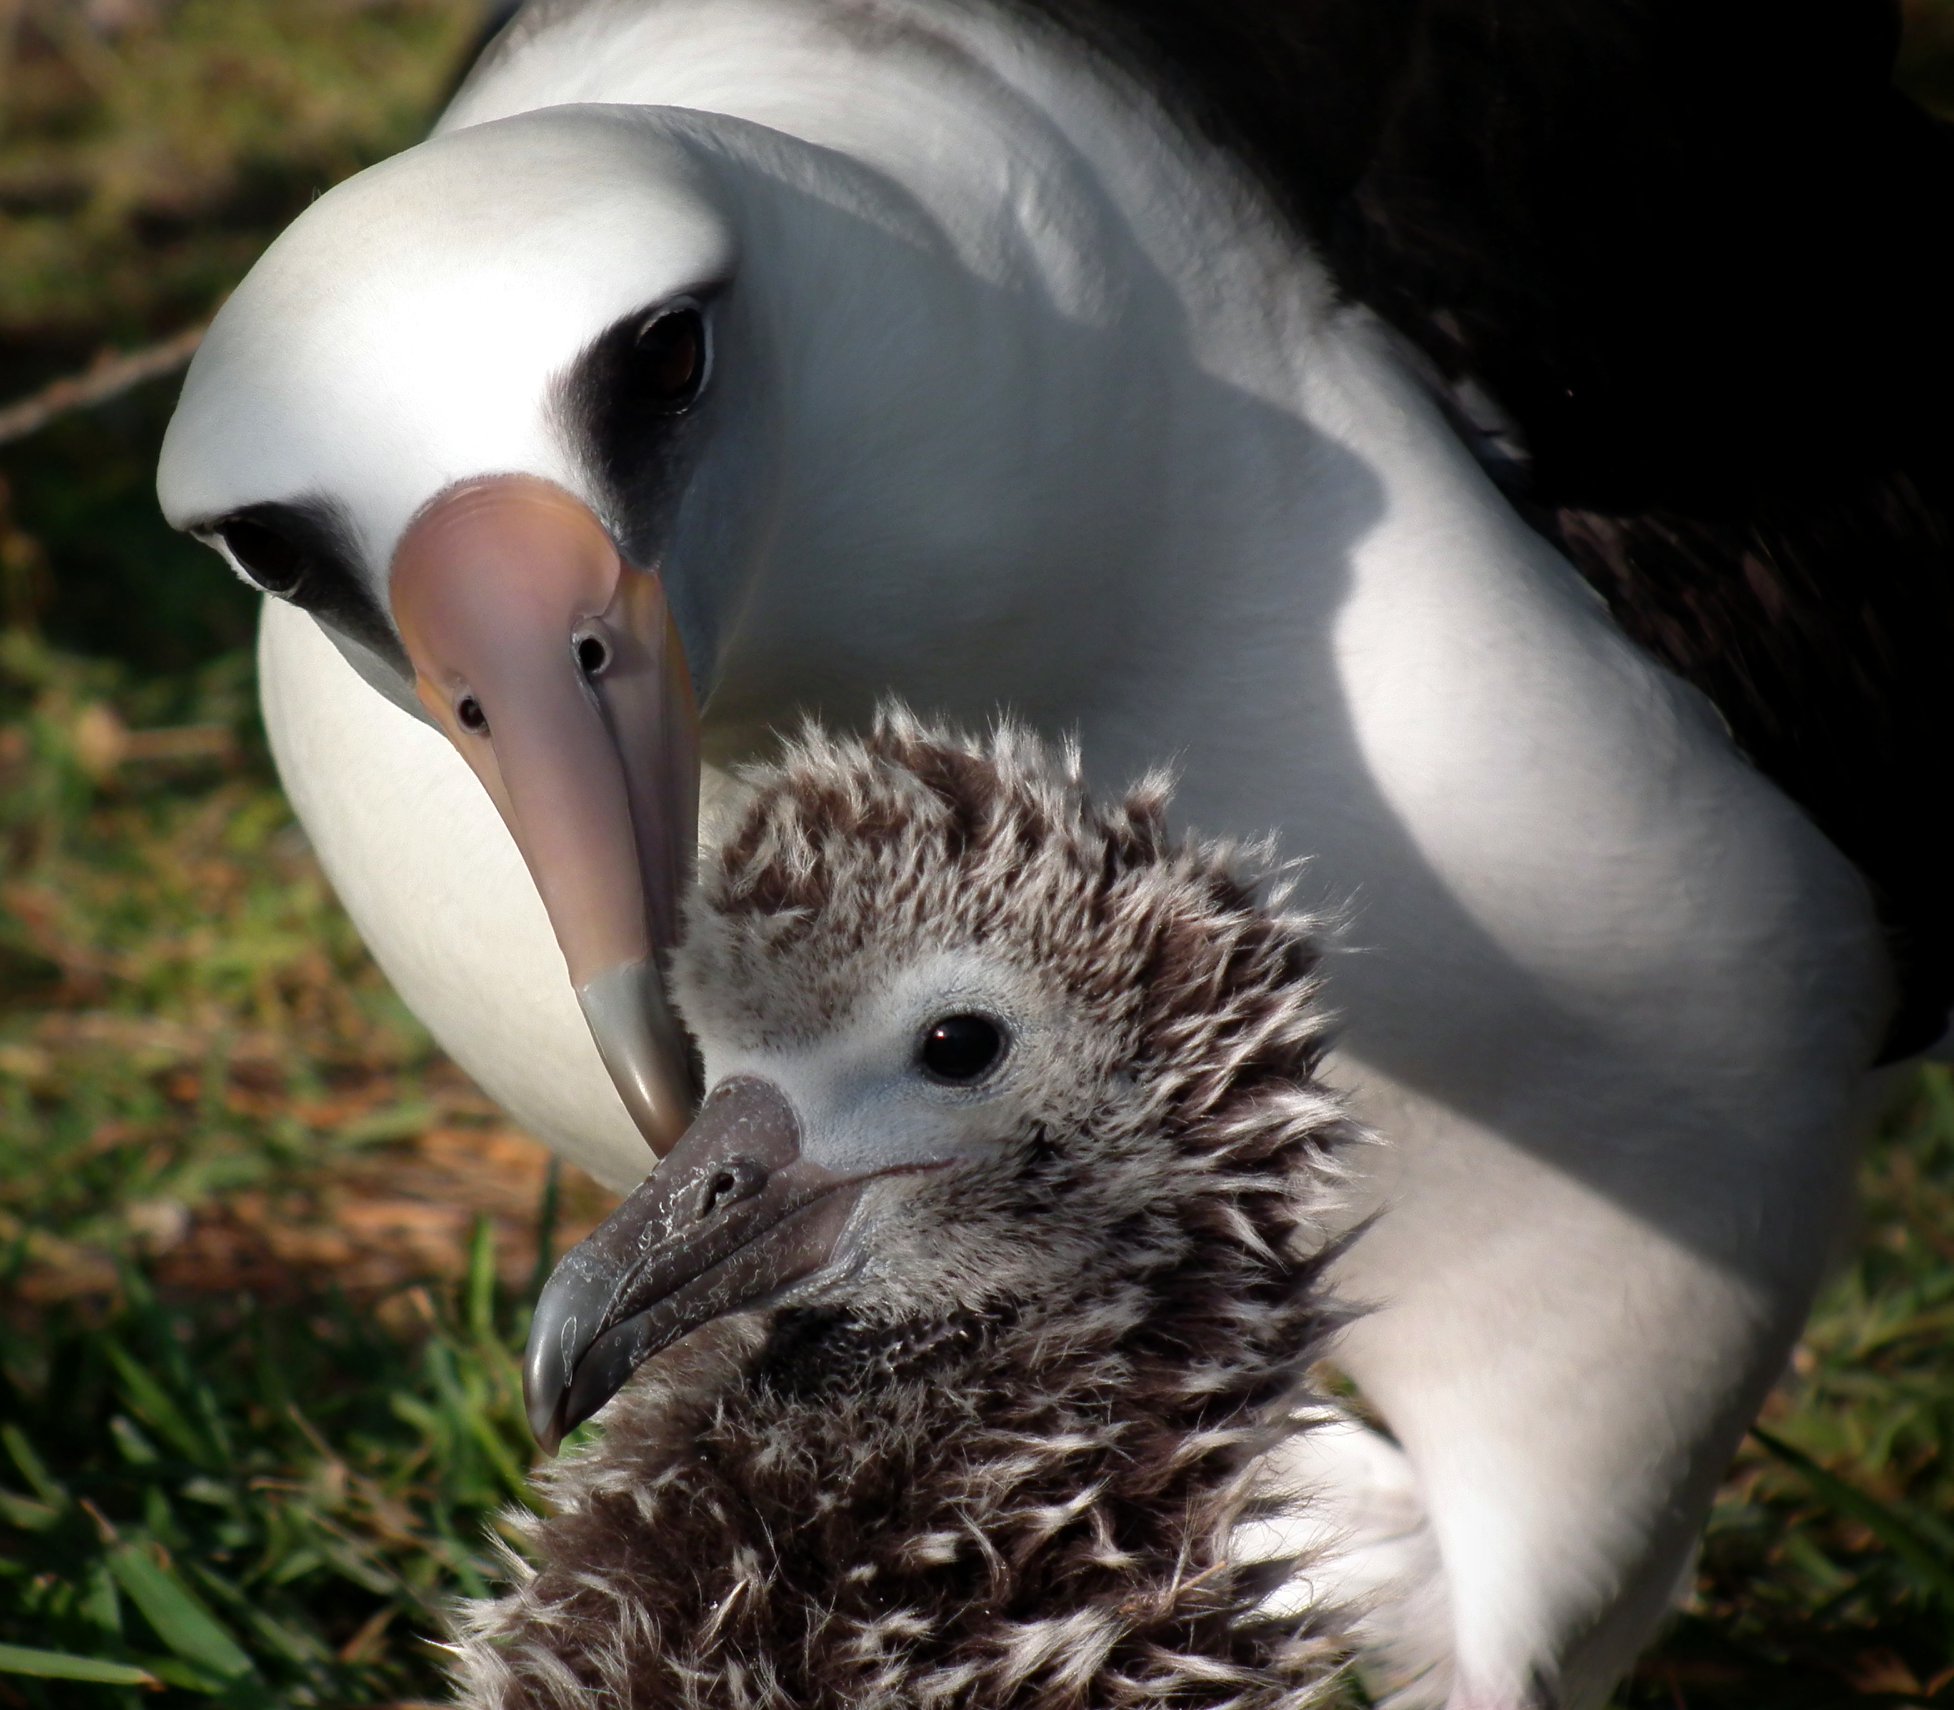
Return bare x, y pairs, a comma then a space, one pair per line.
991, 1250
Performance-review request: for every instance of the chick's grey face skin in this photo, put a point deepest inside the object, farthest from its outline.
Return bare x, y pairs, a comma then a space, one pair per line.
958, 1084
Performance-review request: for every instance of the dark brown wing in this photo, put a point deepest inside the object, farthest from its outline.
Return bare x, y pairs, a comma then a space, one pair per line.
1693, 250
1698, 252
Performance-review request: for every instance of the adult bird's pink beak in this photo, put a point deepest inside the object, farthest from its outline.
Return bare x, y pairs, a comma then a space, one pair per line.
555, 668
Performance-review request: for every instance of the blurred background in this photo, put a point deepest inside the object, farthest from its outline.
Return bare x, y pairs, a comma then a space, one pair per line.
264, 1253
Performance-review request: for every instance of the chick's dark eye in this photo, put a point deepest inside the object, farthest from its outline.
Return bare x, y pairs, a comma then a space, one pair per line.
961, 1049
276, 564
669, 362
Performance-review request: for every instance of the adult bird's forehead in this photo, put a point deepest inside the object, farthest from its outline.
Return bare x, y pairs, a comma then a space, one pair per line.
404, 332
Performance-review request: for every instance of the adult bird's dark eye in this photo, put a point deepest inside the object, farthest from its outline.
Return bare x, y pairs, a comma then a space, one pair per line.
961, 1048
276, 564
670, 360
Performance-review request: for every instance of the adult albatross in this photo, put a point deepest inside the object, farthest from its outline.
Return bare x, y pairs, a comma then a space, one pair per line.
1145, 378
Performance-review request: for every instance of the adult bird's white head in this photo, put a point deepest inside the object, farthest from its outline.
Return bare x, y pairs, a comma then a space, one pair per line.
563, 423
450, 414
557, 422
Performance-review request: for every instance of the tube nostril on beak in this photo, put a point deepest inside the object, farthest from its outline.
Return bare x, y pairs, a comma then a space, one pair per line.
736, 1180
593, 654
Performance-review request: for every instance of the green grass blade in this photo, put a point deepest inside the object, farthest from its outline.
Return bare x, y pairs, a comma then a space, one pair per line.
180, 1618
174, 1671
99, 1604
25, 1514
480, 1288
150, 1401
546, 1217
58, 1665
39, 1479
1932, 1573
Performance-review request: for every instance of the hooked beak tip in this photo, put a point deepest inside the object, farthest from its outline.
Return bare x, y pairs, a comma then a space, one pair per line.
732, 1218
643, 1048
560, 1333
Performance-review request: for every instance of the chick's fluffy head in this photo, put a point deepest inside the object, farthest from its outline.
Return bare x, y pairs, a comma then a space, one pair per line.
1159, 1006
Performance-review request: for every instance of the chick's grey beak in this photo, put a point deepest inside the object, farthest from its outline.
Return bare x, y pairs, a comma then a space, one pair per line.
734, 1215
555, 669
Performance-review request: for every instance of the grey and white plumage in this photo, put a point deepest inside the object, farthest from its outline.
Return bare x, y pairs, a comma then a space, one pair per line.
992, 1454
1004, 367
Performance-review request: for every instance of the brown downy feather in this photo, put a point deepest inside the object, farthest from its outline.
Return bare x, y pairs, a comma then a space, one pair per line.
1022, 1499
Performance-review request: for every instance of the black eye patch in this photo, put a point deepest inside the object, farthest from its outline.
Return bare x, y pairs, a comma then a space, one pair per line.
274, 561
305, 552
628, 401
